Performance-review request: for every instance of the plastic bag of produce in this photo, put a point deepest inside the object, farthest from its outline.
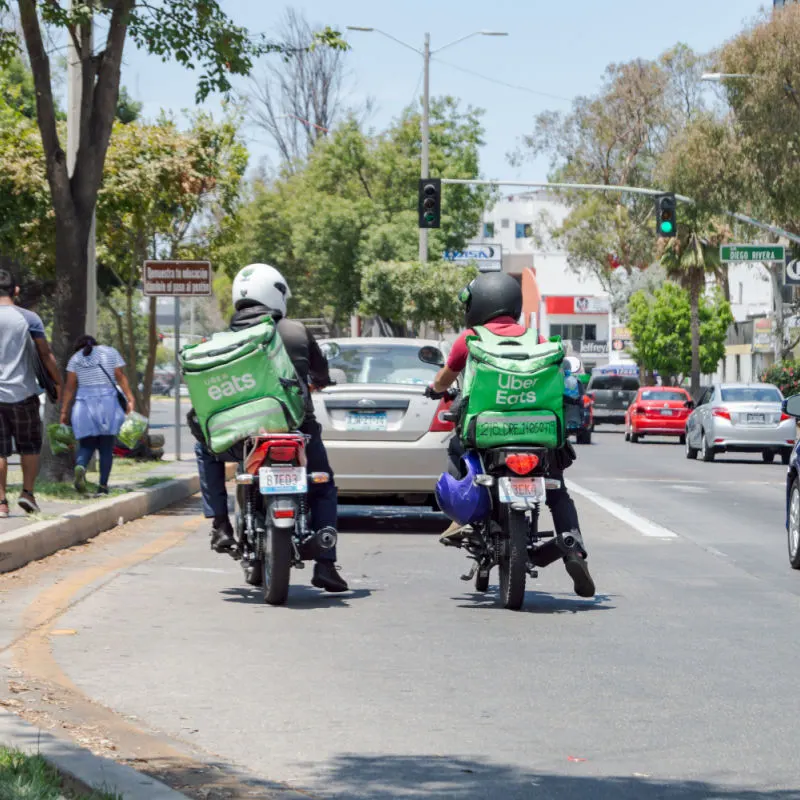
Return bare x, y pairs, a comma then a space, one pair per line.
132, 430
61, 438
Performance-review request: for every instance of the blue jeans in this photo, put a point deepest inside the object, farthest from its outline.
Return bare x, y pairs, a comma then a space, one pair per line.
322, 497
105, 451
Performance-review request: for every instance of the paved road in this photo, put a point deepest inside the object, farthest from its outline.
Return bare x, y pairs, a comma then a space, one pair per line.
675, 682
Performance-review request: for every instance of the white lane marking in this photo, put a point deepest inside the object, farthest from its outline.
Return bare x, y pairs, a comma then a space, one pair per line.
688, 489
203, 569
639, 523
673, 481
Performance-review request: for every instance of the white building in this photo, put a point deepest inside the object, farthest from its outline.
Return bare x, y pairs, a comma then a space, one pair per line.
575, 307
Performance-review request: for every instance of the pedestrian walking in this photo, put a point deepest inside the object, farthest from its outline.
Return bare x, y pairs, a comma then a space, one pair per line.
20, 421
93, 405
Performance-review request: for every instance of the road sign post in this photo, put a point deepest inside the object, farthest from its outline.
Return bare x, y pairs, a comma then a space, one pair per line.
177, 279
743, 253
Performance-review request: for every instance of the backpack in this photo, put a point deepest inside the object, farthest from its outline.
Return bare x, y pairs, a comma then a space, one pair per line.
513, 391
242, 383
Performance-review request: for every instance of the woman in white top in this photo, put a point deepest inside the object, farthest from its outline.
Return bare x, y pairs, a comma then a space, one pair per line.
93, 373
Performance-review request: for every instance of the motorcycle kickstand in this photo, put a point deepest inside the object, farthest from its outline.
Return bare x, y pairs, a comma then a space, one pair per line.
471, 574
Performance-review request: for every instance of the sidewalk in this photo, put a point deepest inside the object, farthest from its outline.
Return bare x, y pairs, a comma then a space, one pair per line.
54, 501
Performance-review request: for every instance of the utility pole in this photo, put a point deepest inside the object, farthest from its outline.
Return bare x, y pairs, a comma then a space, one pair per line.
426, 59
74, 84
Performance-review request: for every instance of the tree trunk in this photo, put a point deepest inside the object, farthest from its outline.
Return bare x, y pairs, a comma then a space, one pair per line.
70, 294
694, 299
152, 346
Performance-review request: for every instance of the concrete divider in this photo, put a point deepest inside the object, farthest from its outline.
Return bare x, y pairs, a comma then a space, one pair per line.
42, 539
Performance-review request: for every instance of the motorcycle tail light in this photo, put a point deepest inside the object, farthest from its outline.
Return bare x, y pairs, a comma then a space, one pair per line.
283, 513
522, 463
282, 453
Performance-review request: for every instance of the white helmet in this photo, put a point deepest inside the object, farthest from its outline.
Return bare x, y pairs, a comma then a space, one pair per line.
261, 283
573, 364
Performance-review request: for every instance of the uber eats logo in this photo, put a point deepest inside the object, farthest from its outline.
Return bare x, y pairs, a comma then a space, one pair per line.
229, 385
514, 390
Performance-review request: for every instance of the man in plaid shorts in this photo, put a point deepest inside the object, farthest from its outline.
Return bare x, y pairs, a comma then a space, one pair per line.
20, 423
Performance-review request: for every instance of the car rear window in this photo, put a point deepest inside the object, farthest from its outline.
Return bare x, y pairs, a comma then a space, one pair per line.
602, 382
666, 395
751, 394
379, 363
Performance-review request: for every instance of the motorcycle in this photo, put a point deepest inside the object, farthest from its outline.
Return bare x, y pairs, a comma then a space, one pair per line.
272, 520
498, 493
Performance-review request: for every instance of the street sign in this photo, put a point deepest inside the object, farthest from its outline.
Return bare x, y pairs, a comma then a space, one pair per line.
792, 272
751, 252
488, 257
176, 279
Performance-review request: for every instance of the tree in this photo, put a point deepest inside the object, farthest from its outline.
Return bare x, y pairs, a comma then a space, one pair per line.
197, 33
297, 101
615, 138
416, 293
661, 323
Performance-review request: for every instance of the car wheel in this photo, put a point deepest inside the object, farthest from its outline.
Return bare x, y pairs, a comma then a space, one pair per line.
691, 452
682, 439
786, 457
634, 437
768, 456
793, 528
706, 452
627, 435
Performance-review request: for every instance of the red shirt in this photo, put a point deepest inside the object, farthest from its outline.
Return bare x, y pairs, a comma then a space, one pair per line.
502, 326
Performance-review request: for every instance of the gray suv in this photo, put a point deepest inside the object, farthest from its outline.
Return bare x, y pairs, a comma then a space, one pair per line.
611, 396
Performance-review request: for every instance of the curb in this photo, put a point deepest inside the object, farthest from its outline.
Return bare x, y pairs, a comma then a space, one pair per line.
42, 539
79, 766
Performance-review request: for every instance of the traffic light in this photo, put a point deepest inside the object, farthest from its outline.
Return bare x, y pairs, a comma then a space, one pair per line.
430, 203
666, 221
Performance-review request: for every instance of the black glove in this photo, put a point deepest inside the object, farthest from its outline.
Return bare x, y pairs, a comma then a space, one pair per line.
431, 393
565, 455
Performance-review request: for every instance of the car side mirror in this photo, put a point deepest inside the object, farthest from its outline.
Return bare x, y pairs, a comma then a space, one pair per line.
690, 404
791, 406
431, 355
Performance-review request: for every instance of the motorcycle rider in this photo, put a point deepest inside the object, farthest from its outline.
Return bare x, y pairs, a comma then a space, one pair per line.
494, 300
259, 290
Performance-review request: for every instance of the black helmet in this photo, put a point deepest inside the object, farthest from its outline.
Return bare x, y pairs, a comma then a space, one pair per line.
491, 295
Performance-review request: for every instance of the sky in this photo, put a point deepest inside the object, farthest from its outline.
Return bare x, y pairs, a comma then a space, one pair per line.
555, 50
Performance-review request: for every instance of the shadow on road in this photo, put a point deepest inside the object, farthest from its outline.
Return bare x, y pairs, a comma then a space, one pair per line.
300, 597
538, 602
456, 778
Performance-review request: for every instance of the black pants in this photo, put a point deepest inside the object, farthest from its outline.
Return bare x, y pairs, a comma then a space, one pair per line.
561, 505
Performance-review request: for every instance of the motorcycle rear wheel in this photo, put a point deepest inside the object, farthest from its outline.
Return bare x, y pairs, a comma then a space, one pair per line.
513, 565
276, 566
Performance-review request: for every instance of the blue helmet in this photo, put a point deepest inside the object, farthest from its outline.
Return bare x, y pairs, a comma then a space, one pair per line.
461, 500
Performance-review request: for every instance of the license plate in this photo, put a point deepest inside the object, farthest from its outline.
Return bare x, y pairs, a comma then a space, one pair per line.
666, 412
756, 419
511, 489
282, 480
358, 421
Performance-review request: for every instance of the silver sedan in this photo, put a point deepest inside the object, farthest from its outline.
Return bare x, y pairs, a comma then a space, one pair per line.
740, 418
384, 437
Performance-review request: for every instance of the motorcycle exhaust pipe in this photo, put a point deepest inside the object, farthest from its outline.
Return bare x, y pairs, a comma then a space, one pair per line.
327, 538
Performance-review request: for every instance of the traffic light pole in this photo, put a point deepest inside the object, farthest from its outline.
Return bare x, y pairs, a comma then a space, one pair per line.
426, 58
601, 187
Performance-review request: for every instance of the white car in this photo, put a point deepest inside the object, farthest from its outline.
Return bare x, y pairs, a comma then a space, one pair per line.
740, 418
383, 436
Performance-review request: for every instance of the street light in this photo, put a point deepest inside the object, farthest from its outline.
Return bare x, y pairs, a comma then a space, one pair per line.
426, 54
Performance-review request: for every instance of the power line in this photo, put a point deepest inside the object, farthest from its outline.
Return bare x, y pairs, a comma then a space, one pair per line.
415, 96
501, 83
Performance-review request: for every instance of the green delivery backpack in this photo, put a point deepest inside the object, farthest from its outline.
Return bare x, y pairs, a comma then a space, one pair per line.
513, 391
242, 383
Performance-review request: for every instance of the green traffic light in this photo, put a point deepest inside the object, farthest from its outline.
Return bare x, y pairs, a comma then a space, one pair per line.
430, 217
666, 227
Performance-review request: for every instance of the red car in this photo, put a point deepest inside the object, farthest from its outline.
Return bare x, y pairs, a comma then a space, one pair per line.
658, 411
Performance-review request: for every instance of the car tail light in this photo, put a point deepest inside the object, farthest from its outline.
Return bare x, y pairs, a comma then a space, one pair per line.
587, 401
522, 463
639, 410
439, 424
784, 417
723, 413
282, 453
283, 513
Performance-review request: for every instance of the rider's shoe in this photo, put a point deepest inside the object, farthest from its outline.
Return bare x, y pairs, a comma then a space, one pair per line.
327, 577
222, 540
578, 570
455, 535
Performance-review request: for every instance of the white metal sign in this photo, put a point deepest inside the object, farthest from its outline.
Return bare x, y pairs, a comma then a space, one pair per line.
488, 257
591, 305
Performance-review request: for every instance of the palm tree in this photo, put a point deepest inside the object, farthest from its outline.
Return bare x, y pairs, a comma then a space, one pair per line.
688, 259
